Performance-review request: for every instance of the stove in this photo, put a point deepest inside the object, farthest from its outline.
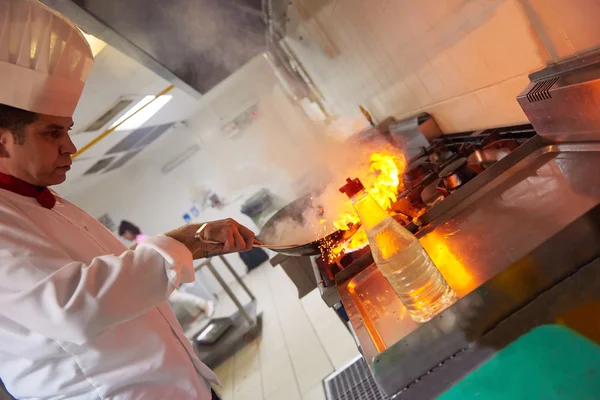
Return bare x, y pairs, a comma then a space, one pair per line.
433, 174
511, 218
451, 161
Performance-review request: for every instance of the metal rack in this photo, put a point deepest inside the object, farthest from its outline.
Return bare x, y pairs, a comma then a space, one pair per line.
246, 322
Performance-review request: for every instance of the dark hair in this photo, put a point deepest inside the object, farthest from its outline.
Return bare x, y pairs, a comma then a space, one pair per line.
14, 120
127, 226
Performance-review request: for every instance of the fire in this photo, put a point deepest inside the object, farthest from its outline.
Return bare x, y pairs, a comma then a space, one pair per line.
450, 265
385, 169
386, 185
345, 221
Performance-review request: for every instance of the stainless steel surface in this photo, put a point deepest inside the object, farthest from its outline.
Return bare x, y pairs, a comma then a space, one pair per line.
487, 157
481, 180
469, 322
568, 65
104, 32
456, 174
412, 133
304, 250
572, 302
330, 295
200, 41
274, 247
212, 331
354, 381
500, 220
562, 100
234, 339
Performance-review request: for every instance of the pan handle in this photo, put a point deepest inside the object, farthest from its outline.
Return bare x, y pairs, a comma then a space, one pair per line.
258, 244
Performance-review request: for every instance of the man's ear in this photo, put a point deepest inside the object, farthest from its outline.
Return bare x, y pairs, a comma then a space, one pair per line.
6, 138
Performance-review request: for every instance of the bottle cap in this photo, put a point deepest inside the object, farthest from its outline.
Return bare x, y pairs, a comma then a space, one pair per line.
352, 187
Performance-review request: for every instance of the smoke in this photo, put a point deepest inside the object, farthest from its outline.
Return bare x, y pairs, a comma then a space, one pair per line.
280, 150
314, 216
293, 158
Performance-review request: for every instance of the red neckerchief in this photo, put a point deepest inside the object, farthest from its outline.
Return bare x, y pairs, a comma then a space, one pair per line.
43, 195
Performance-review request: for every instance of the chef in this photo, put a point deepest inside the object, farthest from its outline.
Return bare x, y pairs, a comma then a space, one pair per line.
81, 317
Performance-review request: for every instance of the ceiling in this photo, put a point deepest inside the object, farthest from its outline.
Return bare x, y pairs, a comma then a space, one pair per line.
150, 44
115, 77
127, 148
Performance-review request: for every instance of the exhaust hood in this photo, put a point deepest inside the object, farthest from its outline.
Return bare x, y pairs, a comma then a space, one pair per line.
194, 44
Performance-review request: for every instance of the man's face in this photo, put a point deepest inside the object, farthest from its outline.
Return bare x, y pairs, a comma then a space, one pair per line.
44, 157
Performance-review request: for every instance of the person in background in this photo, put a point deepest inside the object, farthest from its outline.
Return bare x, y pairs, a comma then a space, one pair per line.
81, 316
130, 232
191, 303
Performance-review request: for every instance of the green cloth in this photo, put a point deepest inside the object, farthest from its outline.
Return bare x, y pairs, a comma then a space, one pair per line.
550, 362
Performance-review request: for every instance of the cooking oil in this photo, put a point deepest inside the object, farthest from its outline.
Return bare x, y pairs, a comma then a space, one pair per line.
401, 258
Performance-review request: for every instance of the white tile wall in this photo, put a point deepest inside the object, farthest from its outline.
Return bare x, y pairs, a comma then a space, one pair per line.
464, 61
566, 27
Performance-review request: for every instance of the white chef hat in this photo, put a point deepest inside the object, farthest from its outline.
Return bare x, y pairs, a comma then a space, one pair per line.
44, 59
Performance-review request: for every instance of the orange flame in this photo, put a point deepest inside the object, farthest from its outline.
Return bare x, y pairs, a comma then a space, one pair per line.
452, 268
386, 169
386, 185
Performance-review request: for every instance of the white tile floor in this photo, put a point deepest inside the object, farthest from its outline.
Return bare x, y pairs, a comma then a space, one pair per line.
302, 342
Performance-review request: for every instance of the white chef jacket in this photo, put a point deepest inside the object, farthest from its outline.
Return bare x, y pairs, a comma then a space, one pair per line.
83, 318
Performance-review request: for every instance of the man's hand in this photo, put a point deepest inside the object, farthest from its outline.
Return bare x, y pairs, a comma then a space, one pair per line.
230, 237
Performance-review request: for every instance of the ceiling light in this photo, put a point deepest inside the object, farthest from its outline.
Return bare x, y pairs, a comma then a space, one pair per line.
96, 44
139, 119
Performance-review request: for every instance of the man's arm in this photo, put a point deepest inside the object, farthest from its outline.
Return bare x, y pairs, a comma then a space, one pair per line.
42, 289
46, 292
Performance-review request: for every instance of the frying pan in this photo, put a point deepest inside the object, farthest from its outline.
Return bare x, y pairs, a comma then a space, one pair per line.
294, 211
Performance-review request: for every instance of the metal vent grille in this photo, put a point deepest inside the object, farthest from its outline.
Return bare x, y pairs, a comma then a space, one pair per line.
130, 141
109, 115
155, 134
130, 146
541, 90
122, 161
99, 165
354, 382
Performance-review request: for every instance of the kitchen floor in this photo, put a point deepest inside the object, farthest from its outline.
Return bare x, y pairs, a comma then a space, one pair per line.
302, 342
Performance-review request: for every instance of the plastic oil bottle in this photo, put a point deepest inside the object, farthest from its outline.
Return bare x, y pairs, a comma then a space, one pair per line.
401, 258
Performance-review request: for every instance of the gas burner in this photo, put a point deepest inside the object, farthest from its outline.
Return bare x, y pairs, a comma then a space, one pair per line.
415, 172
492, 152
454, 175
440, 155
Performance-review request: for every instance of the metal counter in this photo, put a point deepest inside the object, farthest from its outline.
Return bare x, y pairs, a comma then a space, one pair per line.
519, 229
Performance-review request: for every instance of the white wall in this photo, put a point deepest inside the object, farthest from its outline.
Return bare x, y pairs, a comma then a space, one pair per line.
463, 61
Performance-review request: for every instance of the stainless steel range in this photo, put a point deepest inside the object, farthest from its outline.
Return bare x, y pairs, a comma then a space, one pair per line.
510, 217
434, 173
